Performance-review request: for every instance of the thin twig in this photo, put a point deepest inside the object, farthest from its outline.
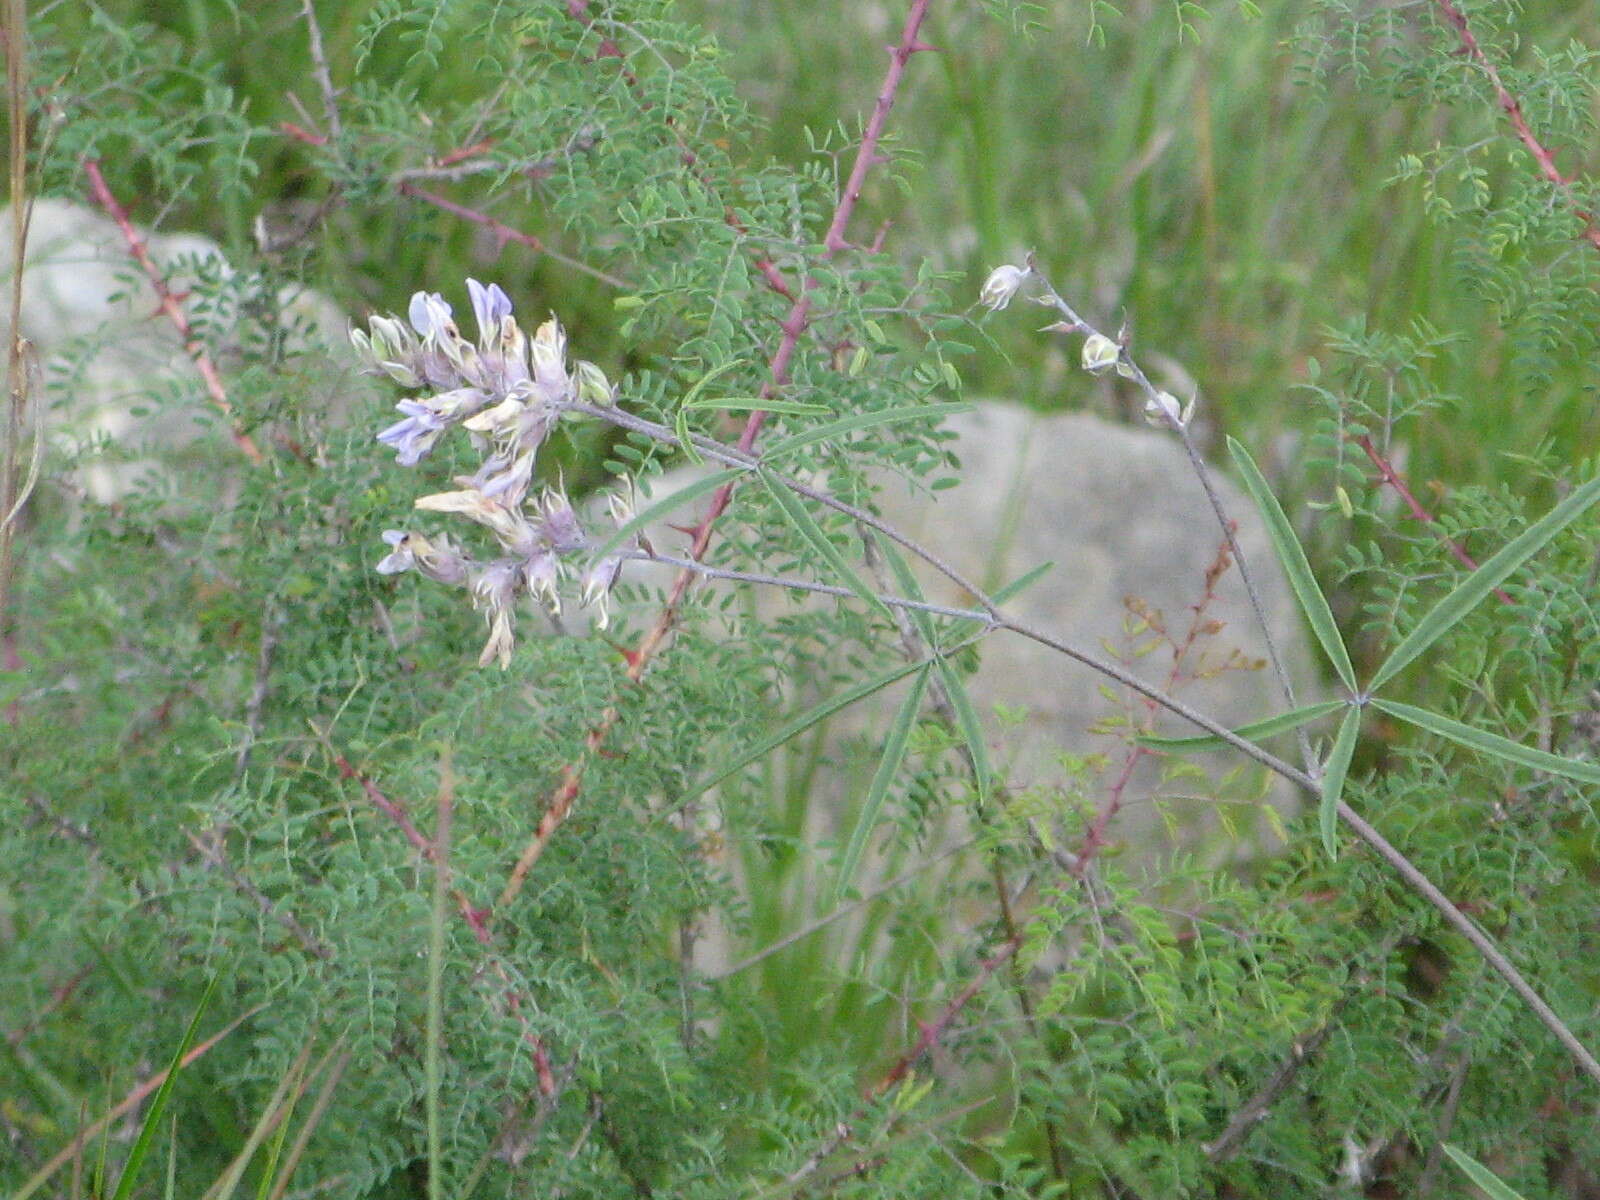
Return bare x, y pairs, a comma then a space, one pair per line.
214, 852
271, 626
192, 345
1393, 478
504, 233
1131, 370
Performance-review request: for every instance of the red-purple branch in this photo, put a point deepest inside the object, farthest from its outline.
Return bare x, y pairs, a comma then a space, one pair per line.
1512, 107
192, 345
1393, 478
792, 326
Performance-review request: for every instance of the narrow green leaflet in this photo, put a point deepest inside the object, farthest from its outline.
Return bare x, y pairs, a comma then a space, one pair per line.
681, 422
803, 722
1485, 579
1493, 1186
666, 505
833, 429
1254, 731
1295, 566
795, 408
967, 723
894, 754
1490, 743
804, 525
1333, 773
1022, 583
152, 1116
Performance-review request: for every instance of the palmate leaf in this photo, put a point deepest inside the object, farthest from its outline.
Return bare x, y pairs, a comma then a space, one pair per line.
894, 753
955, 688
794, 728
1281, 723
1490, 743
1333, 775
833, 429
1490, 575
795, 510
1295, 566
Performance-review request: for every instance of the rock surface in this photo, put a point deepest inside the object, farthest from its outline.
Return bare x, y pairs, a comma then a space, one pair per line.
115, 369
1119, 512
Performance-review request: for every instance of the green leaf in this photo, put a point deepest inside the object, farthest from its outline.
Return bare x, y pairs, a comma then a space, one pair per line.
966, 715
1295, 566
1254, 731
833, 429
894, 753
681, 421
152, 1116
1481, 1176
666, 505
1490, 575
818, 712
803, 523
1022, 583
1490, 743
798, 408
1333, 773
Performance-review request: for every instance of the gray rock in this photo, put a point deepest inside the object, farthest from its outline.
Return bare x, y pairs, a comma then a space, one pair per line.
115, 368
1120, 513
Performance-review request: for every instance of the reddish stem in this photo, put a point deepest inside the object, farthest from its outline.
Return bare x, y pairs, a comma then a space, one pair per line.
793, 325
1394, 480
935, 1029
1512, 107
192, 345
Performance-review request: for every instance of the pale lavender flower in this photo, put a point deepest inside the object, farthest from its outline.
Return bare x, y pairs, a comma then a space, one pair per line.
415, 436
494, 592
431, 315
491, 306
441, 562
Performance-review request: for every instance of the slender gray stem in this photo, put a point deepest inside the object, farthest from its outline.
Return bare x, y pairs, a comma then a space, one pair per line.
737, 458
995, 619
805, 585
1131, 370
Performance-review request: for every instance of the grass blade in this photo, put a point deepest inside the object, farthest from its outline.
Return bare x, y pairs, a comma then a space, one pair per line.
1490, 743
1333, 773
1466, 594
803, 722
152, 1118
894, 754
1254, 731
833, 429
1493, 1186
807, 528
664, 506
1295, 566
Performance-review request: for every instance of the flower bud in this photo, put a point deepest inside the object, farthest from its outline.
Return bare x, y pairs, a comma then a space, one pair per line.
1001, 286
1163, 411
593, 386
1100, 354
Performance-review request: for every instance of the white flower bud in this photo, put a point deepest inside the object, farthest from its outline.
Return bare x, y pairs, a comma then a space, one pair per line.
593, 386
1163, 411
1002, 285
1100, 354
